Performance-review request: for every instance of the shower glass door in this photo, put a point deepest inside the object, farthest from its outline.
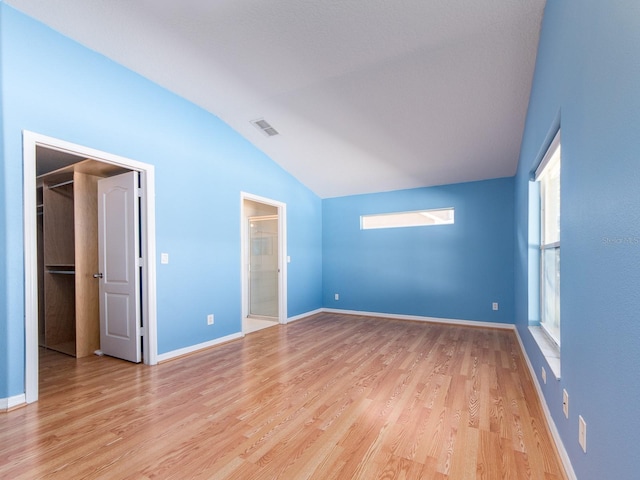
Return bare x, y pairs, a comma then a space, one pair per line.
263, 266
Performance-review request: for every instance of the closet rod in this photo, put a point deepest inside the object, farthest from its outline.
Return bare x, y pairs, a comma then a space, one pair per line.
61, 184
62, 272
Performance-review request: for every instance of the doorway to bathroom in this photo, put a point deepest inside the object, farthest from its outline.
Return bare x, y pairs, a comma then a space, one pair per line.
263, 268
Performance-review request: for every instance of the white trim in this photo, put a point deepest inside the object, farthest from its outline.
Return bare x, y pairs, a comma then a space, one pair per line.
282, 254
564, 456
11, 402
30, 267
548, 347
147, 173
305, 315
163, 357
551, 150
148, 252
418, 318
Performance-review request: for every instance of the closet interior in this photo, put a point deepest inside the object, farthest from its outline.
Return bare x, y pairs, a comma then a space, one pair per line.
69, 313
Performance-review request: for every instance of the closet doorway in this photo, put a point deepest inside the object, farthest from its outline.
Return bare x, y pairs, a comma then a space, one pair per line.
73, 196
263, 263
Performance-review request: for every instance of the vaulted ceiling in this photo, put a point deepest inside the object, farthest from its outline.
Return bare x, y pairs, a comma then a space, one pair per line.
367, 95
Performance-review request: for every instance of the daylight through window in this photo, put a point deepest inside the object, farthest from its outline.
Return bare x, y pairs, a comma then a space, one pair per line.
548, 175
420, 218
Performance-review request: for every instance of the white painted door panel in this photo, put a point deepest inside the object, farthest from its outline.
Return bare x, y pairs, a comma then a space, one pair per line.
119, 250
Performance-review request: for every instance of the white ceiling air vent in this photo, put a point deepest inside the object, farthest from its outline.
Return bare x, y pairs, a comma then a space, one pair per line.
265, 127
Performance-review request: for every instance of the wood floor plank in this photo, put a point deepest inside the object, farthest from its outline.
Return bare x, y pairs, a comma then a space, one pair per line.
328, 397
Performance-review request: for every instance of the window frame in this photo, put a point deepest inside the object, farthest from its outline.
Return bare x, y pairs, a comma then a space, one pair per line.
549, 162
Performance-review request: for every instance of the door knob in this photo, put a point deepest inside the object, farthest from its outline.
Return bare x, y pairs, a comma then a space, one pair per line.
97, 275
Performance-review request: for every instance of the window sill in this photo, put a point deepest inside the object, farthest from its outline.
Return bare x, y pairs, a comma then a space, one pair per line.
549, 349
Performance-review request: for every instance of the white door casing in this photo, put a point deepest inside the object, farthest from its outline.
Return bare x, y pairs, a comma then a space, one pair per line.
119, 253
30, 141
282, 254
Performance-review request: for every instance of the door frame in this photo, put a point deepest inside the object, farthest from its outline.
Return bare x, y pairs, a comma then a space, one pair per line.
282, 254
30, 141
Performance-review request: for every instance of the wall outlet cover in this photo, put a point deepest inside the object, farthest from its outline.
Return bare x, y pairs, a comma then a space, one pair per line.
582, 433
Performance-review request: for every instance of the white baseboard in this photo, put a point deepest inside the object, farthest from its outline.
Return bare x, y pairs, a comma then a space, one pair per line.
304, 315
418, 318
163, 357
564, 456
11, 402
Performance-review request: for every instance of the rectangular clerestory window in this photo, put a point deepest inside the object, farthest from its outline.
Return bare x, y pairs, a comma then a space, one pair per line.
418, 218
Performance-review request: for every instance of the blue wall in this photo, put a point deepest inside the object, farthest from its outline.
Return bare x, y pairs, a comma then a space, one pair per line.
587, 78
56, 87
445, 271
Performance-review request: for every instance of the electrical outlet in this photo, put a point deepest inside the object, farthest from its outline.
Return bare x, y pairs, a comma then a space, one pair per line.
336, 296
582, 433
164, 258
210, 319
494, 305
565, 403
544, 375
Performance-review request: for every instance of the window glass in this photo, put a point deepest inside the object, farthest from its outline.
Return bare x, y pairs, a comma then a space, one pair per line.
444, 216
548, 175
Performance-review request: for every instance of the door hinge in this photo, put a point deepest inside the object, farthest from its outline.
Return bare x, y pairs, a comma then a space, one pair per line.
139, 192
142, 331
140, 262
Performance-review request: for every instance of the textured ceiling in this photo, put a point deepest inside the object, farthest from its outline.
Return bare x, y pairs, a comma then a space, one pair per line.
368, 95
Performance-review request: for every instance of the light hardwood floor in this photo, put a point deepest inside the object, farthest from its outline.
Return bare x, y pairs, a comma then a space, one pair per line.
328, 397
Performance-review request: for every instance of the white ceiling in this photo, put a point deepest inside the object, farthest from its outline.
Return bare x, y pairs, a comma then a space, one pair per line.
368, 95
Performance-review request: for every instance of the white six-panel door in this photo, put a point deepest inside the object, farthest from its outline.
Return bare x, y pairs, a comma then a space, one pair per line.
119, 251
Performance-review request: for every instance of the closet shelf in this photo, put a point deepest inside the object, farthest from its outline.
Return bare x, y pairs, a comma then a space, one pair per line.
61, 184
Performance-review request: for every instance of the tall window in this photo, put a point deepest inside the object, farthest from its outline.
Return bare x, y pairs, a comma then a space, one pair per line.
548, 175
